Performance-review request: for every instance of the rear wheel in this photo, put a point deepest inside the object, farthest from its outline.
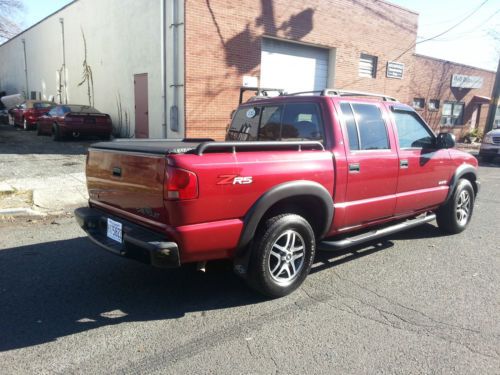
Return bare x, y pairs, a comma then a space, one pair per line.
38, 129
282, 255
56, 135
454, 216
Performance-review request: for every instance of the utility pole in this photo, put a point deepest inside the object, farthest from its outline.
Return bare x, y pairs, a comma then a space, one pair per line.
495, 101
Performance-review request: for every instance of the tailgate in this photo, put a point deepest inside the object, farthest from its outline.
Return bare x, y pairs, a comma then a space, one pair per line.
130, 182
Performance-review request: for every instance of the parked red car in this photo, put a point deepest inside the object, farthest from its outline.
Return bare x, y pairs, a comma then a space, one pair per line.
74, 120
27, 114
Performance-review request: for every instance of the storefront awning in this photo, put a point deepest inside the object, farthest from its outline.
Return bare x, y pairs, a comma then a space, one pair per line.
481, 99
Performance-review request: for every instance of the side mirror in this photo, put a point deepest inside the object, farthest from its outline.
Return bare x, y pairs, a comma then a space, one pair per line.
445, 140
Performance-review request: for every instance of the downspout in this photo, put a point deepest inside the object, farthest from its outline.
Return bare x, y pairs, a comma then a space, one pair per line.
176, 84
25, 69
61, 20
164, 67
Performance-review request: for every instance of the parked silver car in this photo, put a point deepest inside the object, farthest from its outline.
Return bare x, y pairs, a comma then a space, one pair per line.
490, 147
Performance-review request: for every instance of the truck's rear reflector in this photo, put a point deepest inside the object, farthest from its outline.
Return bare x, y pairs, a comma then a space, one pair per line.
180, 184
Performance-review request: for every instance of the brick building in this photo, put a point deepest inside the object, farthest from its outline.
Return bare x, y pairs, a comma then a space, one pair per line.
192, 56
445, 101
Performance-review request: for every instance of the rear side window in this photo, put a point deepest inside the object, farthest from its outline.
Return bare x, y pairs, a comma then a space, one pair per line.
352, 131
292, 122
412, 133
371, 127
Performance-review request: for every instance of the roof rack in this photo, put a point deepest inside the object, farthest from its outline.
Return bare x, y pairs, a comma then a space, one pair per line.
335, 92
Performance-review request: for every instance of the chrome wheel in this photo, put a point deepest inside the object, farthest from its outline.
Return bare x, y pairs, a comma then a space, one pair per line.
25, 124
463, 207
286, 258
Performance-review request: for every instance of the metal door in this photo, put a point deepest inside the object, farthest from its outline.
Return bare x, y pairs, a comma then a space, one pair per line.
141, 105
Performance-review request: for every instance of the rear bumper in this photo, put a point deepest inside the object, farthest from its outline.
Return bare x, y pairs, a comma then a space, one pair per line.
86, 130
138, 243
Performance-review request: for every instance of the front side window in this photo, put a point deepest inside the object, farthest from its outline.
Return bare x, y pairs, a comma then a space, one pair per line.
412, 133
53, 112
452, 114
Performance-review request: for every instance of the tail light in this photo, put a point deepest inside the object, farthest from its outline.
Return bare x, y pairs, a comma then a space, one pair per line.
180, 184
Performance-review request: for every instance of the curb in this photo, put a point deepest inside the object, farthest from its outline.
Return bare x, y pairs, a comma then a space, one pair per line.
21, 211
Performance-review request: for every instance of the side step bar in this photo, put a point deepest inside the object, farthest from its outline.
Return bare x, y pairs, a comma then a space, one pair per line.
352, 241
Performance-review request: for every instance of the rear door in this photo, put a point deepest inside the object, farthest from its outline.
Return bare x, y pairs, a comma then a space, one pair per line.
424, 170
373, 164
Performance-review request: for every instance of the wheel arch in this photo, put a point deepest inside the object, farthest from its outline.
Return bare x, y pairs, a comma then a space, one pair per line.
467, 172
316, 204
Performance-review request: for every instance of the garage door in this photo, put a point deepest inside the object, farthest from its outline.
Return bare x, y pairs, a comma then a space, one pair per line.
293, 67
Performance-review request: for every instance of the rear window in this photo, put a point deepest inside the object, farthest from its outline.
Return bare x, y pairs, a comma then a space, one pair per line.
79, 109
42, 105
290, 122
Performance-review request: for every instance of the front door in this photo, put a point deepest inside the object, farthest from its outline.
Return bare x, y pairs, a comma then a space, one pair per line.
141, 105
424, 170
372, 165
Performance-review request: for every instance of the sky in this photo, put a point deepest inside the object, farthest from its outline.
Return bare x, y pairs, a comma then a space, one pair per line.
471, 42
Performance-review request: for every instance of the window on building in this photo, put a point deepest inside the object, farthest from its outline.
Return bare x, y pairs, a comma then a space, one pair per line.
367, 66
366, 130
433, 105
452, 114
412, 133
418, 103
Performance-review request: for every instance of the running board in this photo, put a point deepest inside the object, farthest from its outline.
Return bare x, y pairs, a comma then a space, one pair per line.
356, 240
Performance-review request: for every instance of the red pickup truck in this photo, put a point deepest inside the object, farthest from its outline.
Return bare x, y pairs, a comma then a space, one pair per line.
297, 173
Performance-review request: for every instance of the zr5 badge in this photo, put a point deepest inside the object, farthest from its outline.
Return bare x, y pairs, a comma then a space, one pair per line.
234, 179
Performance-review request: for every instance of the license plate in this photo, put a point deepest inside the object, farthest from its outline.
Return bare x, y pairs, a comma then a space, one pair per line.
115, 230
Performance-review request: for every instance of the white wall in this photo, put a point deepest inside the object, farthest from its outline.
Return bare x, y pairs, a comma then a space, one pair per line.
123, 39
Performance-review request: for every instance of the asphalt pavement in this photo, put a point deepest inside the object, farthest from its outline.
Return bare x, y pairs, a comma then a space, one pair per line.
416, 302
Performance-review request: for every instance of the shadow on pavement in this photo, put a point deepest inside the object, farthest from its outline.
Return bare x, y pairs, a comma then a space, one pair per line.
17, 141
59, 288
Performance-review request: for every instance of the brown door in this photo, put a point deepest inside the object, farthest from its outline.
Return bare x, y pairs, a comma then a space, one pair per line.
141, 105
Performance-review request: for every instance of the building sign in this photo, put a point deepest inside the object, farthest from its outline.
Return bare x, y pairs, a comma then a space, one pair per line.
249, 81
466, 82
395, 69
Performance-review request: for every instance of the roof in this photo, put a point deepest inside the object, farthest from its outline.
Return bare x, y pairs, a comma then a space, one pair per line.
454, 63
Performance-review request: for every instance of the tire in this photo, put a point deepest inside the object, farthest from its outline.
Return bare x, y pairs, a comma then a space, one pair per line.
282, 254
454, 216
38, 130
25, 125
56, 135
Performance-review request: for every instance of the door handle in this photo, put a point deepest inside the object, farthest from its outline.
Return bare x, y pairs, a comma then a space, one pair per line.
403, 163
354, 167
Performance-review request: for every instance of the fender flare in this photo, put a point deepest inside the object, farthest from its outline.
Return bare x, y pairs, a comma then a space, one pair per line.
278, 193
459, 173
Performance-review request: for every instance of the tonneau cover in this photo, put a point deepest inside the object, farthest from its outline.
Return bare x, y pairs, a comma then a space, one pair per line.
151, 146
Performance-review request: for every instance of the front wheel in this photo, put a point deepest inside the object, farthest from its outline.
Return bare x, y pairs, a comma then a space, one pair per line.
25, 125
282, 255
454, 216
